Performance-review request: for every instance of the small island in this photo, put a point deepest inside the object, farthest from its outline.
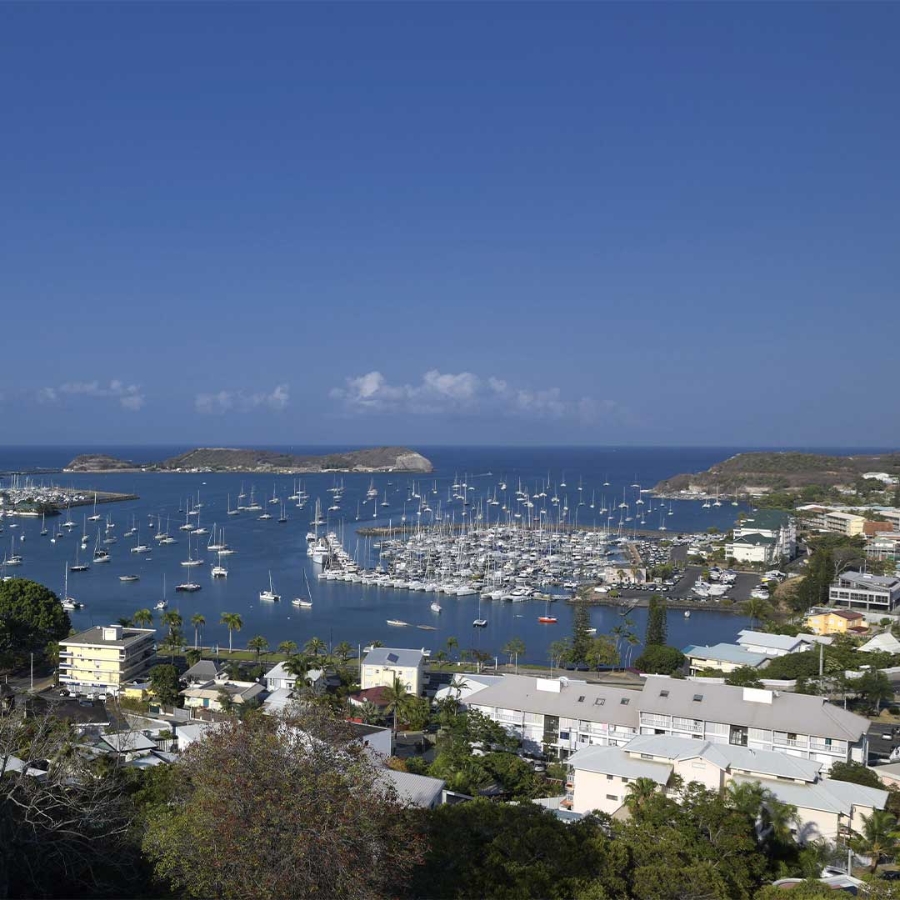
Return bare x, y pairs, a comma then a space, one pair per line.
761, 473
228, 459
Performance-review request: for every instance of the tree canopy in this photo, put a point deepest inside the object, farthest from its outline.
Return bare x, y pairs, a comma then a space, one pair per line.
31, 616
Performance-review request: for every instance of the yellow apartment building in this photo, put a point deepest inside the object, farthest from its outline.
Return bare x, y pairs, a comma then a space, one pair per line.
104, 658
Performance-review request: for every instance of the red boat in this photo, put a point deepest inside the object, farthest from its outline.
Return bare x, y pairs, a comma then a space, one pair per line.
547, 620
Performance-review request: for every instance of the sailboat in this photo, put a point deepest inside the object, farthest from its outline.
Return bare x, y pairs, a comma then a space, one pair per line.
270, 594
436, 607
100, 554
304, 602
96, 516
190, 561
232, 512
162, 604
79, 566
44, 530
68, 602
283, 517
546, 618
479, 622
219, 571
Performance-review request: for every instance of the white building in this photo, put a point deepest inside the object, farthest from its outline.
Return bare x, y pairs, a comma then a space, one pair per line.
831, 520
599, 778
774, 644
104, 658
724, 658
752, 547
278, 678
794, 724
766, 535
382, 665
859, 590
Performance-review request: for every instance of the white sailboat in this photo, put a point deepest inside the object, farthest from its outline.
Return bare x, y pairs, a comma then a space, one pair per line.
270, 594
219, 571
304, 602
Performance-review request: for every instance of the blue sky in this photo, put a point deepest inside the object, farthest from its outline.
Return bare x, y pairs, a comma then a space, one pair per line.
461, 223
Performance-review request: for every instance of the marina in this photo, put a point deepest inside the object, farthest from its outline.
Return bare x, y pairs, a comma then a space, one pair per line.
343, 584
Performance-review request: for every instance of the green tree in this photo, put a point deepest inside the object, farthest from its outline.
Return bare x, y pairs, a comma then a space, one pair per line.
581, 634
452, 644
513, 649
172, 644
856, 773
30, 617
639, 792
233, 622
173, 619
314, 646
745, 676
657, 630
143, 618
874, 687
757, 610
660, 660
560, 652
297, 665
343, 651
193, 656
164, 684
602, 651
288, 648
258, 644
339, 833
368, 712
396, 700
878, 838
198, 621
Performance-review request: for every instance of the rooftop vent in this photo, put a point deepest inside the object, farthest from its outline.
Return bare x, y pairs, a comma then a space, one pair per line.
600, 701
112, 632
625, 701
581, 699
663, 693
698, 698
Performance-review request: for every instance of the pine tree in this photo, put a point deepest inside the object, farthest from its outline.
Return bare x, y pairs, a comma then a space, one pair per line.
656, 624
581, 636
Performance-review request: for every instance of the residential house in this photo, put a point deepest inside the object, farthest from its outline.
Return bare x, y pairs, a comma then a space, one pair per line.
561, 715
774, 644
599, 778
881, 643
278, 678
834, 621
202, 671
760, 719
381, 666
210, 695
724, 658
860, 590
104, 658
420, 791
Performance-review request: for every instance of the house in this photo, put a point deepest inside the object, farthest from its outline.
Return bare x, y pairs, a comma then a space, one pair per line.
211, 694
202, 671
793, 724
599, 778
278, 678
378, 740
834, 621
103, 658
724, 658
560, 715
139, 689
420, 791
889, 774
773, 644
860, 590
381, 666
881, 643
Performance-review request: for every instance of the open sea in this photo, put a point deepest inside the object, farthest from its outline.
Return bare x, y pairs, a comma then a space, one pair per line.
341, 611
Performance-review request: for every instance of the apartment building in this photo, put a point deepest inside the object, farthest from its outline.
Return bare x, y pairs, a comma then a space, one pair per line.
560, 715
599, 779
832, 521
794, 724
382, 665
724, 658
563, 716
824, 621
859, 590
766, 535
104, 658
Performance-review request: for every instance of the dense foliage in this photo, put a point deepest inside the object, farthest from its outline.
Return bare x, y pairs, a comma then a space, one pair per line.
31, 616
659, 660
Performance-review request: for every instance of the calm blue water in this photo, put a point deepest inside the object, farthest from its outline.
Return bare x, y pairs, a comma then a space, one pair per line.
341, 611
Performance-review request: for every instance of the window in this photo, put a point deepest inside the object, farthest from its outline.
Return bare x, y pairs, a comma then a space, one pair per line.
612, 797
663, 693
625, 701
827, 742
581, 699
609, 778
600, 701
791, 736
646, 756
564, 735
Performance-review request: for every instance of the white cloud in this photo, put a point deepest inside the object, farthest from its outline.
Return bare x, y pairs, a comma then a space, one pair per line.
129, 396
239, 401
465, 392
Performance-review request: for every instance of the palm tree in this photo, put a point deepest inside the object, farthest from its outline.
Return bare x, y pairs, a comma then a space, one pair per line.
757, 610
124, 621
315, 646
878, 838
632, 641
233, 622
259, 644
172, 619
296, 665
288, 648
452, 644
439, 656
396, 699
198, 621
778, 819
143, 618
369, 713
639, 792
343, 651
747, 798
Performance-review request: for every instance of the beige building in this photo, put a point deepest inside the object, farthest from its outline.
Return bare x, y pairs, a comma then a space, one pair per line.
831, 520
599, 779
106, 657
211, 694
382, 665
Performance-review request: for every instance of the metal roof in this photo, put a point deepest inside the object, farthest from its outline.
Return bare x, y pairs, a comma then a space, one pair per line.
615, 761
730, 653
764, 639
391, 656
412, 790
826, 795
742, 706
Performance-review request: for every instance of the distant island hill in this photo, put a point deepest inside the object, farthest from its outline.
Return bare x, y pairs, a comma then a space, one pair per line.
225, 459
760, 473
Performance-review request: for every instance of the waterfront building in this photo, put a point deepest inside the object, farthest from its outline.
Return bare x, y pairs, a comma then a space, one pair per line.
382, 665
860, 590
834, 621
774, 644
766, 535
833, 521
599, 778
724, 658
278, 678
104, 658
